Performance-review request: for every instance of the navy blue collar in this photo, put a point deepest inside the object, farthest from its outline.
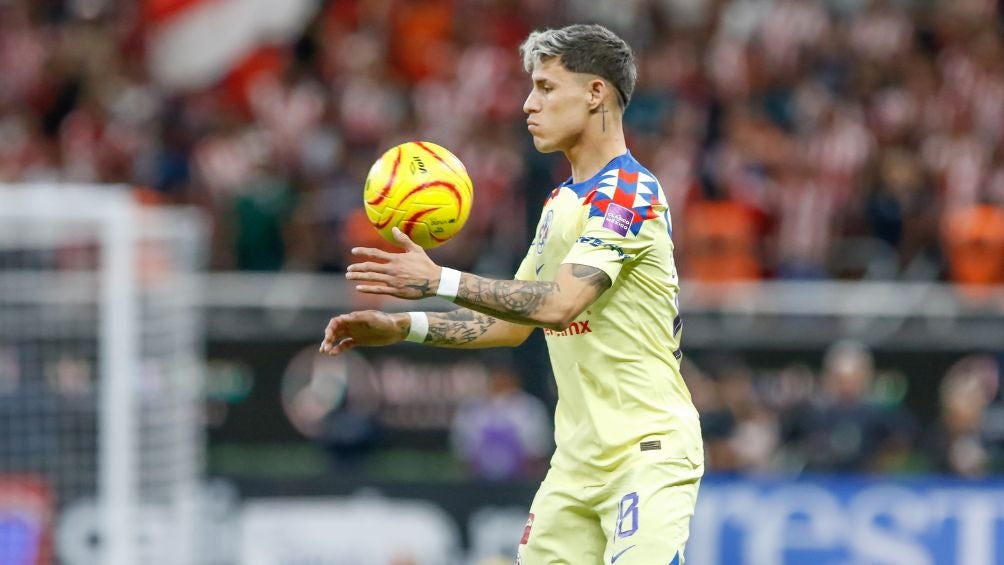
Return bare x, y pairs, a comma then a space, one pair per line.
582, 188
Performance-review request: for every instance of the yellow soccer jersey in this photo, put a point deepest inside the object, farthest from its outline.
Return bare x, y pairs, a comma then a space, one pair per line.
617, 367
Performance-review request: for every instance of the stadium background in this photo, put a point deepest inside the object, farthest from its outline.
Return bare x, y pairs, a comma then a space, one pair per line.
836, 176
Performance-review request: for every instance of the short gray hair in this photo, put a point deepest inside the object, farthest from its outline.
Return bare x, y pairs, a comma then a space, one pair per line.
585, 48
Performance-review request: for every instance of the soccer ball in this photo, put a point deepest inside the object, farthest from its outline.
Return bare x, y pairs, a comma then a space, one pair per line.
422, 189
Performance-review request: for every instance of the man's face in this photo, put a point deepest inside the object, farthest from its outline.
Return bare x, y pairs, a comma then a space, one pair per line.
557, 107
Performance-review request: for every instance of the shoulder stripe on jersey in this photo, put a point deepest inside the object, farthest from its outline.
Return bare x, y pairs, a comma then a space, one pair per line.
624, 194
552, 195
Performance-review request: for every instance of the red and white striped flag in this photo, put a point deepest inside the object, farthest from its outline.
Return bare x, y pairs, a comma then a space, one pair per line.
195, 43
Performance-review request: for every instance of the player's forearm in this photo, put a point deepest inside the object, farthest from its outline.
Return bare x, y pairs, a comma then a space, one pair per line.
466, 329
521, 302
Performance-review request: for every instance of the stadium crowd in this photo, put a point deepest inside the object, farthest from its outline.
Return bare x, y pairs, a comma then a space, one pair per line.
794, 138
850, 417
799, 139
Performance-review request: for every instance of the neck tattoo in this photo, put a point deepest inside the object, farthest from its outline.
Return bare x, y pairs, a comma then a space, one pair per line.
603, 113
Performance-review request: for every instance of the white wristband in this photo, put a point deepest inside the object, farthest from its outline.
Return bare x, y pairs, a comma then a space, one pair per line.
419, 327
449, 284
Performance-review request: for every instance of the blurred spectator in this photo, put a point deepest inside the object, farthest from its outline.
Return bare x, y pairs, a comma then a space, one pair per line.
806, 212
901, 212
842, 429
505, 435
261, 217
719, 242
718, 424
975, 239
741, 433
755, 433
961, 443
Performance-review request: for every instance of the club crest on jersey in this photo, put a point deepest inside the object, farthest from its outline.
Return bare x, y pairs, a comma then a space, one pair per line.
545, 230
618, 218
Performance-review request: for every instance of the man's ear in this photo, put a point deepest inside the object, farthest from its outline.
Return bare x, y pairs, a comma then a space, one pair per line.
598, 90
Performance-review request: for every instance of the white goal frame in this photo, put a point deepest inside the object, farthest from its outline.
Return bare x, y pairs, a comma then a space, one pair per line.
118, 214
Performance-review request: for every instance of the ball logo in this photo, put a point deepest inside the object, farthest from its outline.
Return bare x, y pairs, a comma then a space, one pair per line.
545, 230
417, 165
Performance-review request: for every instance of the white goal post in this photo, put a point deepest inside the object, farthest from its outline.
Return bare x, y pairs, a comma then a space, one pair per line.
101, 370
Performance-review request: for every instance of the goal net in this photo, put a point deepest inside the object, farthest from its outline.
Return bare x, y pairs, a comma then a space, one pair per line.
101, 355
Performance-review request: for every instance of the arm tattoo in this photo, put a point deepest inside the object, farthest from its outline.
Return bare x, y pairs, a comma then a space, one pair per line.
514, 301
457, 327
595, 277
520, 301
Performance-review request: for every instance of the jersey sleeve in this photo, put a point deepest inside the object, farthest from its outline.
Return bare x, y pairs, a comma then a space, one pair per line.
614, 235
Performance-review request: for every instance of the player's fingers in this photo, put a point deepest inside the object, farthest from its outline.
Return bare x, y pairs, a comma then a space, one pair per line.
371, 253
373, 277
405, 241
368, 266
373, 289
343, 346
331, 332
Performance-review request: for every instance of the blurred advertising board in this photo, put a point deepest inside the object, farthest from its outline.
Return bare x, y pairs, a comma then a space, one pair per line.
349, 530
845, 520
739, 521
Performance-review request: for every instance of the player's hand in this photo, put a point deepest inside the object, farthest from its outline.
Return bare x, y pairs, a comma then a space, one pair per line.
366, 328
410, 274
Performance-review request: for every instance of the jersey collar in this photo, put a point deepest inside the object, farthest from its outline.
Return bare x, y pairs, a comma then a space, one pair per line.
581, 189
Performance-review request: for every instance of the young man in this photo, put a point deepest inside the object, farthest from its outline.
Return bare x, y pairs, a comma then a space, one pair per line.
600, 279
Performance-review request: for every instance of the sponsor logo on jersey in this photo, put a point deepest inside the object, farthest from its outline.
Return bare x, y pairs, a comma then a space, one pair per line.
575, 328
597, 242
620, 553
618, 219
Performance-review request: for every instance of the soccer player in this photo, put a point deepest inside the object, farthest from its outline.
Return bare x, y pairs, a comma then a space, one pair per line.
600, 279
